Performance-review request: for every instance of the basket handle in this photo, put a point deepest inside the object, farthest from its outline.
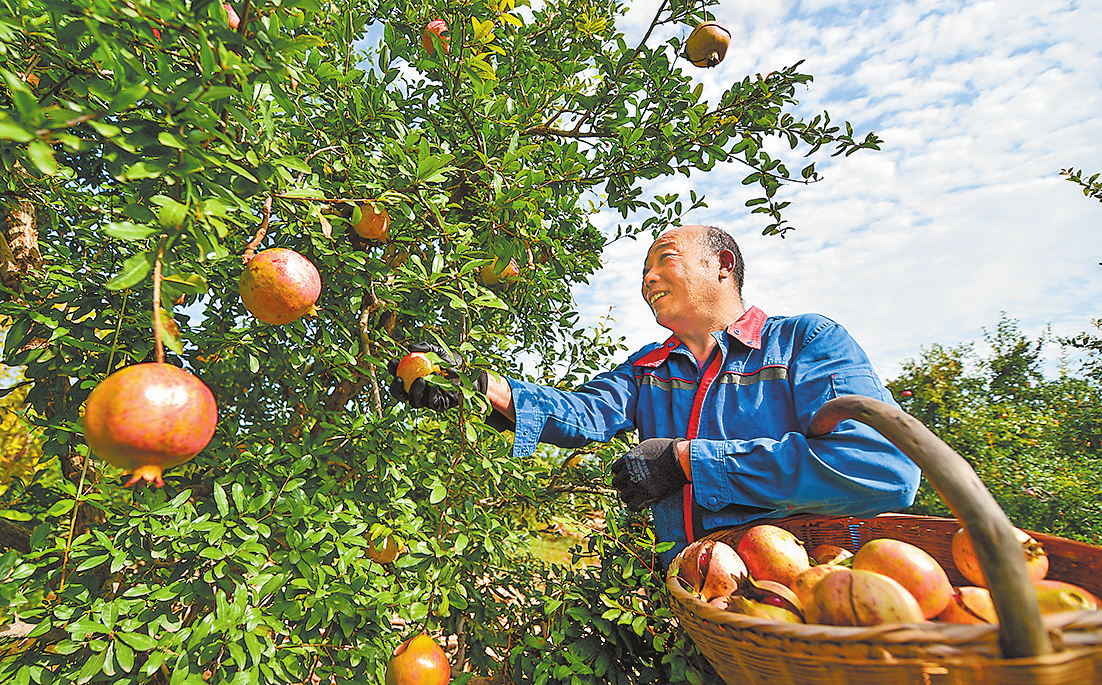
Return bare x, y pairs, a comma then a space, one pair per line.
1021, 633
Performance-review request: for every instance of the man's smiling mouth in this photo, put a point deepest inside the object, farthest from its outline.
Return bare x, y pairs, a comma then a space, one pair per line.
654, 297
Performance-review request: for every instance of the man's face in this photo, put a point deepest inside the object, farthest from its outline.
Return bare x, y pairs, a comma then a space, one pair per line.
678, 284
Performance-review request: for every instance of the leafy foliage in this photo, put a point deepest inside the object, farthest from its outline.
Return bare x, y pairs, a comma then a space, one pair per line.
150, 135
1036, 443
1092, 186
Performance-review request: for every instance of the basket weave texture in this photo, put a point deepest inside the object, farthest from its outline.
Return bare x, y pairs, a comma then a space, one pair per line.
751, 651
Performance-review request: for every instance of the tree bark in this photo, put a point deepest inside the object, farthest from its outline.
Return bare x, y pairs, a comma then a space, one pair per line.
19, 253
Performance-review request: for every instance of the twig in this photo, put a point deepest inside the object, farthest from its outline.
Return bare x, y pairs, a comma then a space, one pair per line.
250, 249
158, 336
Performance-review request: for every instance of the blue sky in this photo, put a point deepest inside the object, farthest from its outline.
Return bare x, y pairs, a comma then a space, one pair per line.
962, 216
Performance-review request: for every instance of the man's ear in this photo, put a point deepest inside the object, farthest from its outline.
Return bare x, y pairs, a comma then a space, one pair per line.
726, 263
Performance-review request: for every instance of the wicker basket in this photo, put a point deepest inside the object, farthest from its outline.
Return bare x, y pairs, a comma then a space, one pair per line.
751, 651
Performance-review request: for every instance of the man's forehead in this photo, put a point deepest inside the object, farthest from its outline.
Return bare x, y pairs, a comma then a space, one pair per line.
674, 238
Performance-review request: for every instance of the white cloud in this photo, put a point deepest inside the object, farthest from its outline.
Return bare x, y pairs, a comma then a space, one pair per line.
963, 215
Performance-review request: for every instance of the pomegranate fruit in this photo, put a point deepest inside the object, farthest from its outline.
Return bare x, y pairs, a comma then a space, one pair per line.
492, 277
386, 552
804, 585
279, 286
374, 222
964, 557
1055, 596
757, 609
861, 598
439, 29
418, 661
413, 366
771, 594
149, 417
912, 567
829, 554
970, 604
231, 16
707, 44
773, 553
712, 568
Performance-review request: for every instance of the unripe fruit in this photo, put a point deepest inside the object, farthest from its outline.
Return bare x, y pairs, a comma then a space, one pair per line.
438, 28
1054, 596
374, 222
912, 567
492, 277
149, 417
861, 598
279, 286
413, 366
418, 661
386, 552
804, 585
707, 44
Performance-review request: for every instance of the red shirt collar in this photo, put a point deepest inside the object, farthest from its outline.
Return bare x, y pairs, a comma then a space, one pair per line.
746, 329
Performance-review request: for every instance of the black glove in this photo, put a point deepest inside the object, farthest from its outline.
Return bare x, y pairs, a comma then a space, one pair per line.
423, 395
649, 472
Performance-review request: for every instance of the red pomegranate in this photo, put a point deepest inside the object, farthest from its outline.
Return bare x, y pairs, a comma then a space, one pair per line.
149, 417
438, 28
773, 553
910, 566
279, 286
418, 661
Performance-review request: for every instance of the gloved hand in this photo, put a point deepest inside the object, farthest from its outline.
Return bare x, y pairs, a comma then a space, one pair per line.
424, 395
648, 472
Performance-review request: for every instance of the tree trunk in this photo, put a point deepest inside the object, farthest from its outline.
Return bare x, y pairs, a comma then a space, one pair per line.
19, 242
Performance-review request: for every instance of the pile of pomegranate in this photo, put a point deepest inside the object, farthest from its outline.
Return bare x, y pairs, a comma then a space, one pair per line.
769, 574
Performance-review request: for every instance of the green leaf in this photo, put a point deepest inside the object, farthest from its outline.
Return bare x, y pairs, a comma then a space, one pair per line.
170, 332
61, 507
439, 492
221, 500
294, 163
126, 230
139, 641
133, 271
127, 98
9, 130
13, 515
171, 213
43, 157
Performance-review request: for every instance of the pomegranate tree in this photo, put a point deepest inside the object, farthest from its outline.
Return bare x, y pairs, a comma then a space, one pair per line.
149, 417
279, 286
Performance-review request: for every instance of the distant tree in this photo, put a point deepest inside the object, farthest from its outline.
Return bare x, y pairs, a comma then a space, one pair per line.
1035, 442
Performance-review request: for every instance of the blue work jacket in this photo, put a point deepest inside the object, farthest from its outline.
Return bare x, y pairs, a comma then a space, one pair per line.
746, 411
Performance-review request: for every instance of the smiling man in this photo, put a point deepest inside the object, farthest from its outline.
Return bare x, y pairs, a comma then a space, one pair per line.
721, 407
